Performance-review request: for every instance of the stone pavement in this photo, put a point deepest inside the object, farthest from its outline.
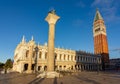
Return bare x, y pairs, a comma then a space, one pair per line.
80, 78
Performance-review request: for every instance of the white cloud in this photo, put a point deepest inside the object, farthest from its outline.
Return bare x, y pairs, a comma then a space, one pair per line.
103, 3
108, 8
80, 4
77, 22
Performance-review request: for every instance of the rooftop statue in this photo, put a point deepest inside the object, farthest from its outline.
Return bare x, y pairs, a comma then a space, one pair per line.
52, 11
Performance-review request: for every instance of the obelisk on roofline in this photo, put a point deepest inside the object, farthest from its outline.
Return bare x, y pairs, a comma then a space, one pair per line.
51, 18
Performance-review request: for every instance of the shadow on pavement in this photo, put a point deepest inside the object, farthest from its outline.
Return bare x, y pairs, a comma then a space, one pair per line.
116, 76
55, 80
87, 80
37, 81
61, 82
12, 76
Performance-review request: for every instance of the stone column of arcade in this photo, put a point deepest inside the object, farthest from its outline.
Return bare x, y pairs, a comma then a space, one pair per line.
51, 18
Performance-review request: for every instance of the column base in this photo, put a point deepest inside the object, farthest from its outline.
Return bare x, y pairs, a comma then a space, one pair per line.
29, 71
51, 74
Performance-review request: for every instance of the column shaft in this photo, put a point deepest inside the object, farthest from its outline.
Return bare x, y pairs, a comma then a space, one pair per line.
50, 58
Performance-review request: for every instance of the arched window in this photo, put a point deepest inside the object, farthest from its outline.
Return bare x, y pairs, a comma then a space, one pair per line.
71, 57
64, 56
75, 57
60, 56
55, 56
27, 53
68, 57
71, 67
25, 67
46, 55
86, 59
40, 55
45, 68
93, 60
81, 58
39, 68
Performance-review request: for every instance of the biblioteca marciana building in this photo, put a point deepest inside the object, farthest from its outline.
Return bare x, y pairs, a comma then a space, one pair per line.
30, 57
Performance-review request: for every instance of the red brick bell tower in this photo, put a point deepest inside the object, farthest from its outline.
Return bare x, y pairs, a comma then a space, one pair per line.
100, 39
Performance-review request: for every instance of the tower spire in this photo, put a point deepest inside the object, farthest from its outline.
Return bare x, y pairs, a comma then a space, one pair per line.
32, 38
97, 16
23, 39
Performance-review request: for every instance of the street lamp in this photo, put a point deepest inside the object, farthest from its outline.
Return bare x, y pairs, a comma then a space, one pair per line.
36, 51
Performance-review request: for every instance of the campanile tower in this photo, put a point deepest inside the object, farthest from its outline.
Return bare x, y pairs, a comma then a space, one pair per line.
100, 39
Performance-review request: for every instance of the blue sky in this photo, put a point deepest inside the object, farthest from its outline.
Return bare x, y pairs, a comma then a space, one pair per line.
73, 30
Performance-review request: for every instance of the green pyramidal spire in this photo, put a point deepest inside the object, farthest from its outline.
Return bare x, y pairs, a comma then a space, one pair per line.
97, 16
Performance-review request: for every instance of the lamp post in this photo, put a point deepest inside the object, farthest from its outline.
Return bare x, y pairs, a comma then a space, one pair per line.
36, 51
